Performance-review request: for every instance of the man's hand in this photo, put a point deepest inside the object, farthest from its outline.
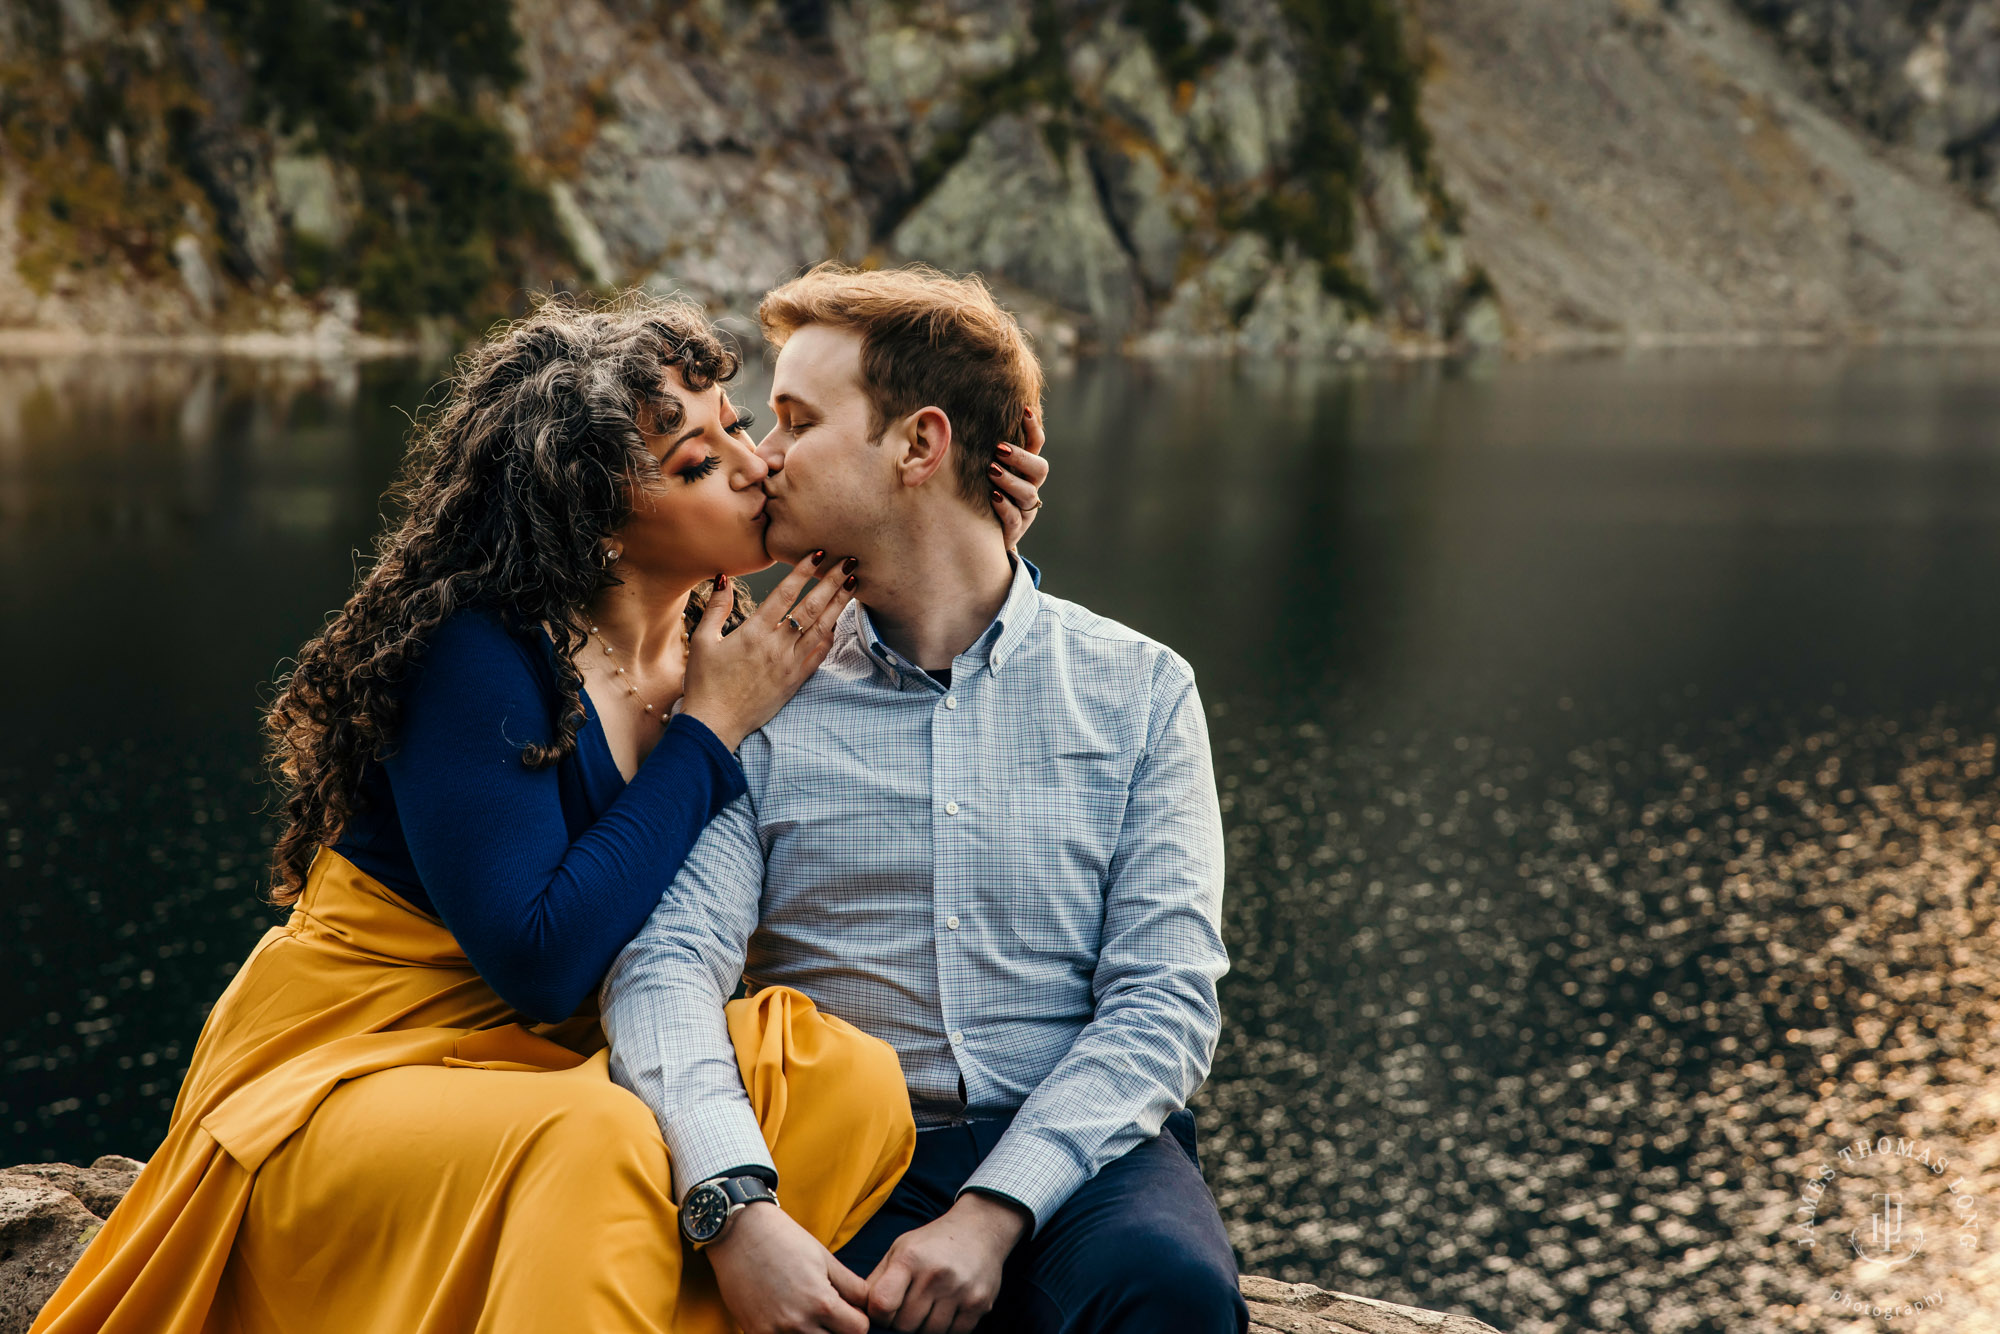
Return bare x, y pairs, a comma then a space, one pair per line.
776, 1279
943, 1277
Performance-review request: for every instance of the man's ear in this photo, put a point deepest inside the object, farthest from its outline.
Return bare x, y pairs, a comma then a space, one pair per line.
926, 445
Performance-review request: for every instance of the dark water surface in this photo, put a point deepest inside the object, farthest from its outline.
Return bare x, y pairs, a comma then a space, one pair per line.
1607, 750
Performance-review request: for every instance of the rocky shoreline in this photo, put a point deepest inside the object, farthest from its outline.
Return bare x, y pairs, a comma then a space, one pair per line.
50, 1211
32, 345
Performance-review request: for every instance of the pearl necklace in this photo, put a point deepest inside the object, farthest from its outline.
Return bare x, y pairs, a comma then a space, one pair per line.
662, 716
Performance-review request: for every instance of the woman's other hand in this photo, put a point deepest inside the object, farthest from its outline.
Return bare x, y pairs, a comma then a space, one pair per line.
737, 683
1018, 478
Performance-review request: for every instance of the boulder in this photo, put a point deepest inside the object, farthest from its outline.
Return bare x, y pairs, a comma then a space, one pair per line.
1300, 1308
48, 1214
45, 1224
43, 1229
99, 1186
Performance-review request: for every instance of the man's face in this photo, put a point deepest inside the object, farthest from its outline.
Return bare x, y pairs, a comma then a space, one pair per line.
828, 485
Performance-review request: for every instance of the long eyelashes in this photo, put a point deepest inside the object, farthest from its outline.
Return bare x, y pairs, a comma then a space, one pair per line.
695, 472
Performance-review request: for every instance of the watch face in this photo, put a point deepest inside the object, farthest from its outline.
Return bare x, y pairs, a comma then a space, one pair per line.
704, 1212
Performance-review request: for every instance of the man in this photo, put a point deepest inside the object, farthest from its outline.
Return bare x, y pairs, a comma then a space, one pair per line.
985, 832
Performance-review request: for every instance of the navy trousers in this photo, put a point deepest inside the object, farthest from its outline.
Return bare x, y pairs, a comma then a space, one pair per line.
1139, 1249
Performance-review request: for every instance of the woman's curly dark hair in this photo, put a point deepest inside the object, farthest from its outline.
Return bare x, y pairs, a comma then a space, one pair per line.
508, 491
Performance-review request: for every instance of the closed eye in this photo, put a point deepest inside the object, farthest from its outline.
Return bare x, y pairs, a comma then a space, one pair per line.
695, 472
741, 426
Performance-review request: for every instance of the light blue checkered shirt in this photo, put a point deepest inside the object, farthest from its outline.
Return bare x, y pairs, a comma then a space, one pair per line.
1015, 881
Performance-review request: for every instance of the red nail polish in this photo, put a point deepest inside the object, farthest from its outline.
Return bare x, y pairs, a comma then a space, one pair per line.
720, 580
851, 564
1004, 449
851, 581
993, 468
819, 555
997, 497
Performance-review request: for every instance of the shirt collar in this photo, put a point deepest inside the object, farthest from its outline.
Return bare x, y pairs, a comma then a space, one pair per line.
995, 645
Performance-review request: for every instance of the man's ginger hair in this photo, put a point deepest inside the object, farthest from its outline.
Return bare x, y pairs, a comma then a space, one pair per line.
927, 340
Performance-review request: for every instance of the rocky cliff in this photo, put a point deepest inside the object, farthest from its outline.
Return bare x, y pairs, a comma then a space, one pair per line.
1309, 176
1922, 76
50, 1211
1219, 173
1675, 171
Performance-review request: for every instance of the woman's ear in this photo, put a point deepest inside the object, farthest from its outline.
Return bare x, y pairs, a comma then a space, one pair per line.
926, 444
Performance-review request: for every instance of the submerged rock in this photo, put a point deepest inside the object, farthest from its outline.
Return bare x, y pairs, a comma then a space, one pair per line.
50, 1211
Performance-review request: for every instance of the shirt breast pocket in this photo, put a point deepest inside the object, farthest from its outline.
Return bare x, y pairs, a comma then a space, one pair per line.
1066, 820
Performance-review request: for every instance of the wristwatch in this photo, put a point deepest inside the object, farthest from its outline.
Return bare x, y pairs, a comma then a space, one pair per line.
706, 1211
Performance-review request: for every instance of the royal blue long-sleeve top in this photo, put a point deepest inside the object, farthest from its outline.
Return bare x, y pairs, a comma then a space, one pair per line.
541, 874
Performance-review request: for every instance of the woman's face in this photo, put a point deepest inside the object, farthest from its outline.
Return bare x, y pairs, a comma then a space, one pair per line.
700, 512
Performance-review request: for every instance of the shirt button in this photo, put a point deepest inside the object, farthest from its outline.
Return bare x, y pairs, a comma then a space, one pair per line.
957, 1036
951, 923
951, 808
951, 701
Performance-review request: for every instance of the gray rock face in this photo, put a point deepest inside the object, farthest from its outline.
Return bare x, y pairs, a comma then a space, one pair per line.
1645, 172
1921, 73
685, 164
1619, 172
196, 276
1012, 209
312, 196
228, 155
1243, 117
49, 1212
1177, 168
1087, 163
942, 131
911, 64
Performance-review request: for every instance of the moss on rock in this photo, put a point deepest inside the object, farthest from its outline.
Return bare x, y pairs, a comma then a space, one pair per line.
1357, 67
125, 139
89, 131
450, 221
449, 217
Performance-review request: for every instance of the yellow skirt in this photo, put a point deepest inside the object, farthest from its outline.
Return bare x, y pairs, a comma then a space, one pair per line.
369, 1139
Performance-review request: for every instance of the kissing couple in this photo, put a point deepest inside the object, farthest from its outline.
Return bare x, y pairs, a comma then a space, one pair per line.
662, 962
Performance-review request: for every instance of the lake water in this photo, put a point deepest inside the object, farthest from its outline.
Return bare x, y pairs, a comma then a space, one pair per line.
1607, 751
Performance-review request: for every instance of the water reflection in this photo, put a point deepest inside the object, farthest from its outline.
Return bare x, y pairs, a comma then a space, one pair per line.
1607, 750
1570, 1033
163, 442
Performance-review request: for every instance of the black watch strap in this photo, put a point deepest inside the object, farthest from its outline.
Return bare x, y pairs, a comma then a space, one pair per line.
747, 1190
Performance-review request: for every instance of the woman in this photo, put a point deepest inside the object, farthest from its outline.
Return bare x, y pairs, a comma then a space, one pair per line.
497, 755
